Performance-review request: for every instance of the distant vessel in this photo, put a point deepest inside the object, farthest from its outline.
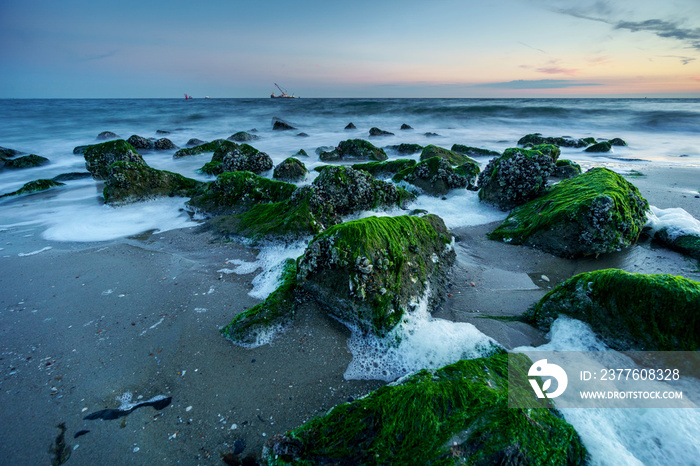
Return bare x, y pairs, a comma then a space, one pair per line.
284, 94
188, 97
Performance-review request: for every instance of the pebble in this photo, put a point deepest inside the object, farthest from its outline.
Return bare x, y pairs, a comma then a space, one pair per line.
188, 409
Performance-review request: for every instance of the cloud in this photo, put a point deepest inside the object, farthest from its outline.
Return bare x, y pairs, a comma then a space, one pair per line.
536, 84
557, 70
531, 47
684, 60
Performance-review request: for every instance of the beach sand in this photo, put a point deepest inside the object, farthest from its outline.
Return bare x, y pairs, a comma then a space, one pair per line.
84, 323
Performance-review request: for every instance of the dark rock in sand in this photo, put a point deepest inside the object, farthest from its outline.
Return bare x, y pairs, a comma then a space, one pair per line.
301, 153
213, 146
436, 176
242, 136
105, 135
537, 138
139, 142
629, 311
370, 272
6, 153
72, 176
246, 158
280, 125
458, 414
350, 126
164, 144
404, 148
195, 142
354, 149
290, 169
566, 169
379, 132
592, 213
515, 177
129, 182
455, 158
474, 151
617, 142
26, 161
405, 126
599, 147
99, 157
385, 169
35, 186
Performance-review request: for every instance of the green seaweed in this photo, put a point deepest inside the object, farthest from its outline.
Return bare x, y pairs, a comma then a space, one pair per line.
100, 157
389, 168
35, 186
212, 168
474, 151
455, 158
26, 161
357, 149
290, 169
604, 146
435, 176
405, 148
655, 312
212, 146
131, 182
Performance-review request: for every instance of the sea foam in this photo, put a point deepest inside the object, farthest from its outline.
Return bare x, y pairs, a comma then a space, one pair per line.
676, 221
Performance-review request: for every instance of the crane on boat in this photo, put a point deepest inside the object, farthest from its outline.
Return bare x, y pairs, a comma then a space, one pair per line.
283, 94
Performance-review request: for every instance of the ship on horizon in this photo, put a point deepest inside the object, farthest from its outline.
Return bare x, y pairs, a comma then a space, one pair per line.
283, 94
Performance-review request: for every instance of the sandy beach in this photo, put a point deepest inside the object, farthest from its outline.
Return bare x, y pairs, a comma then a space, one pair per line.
83, 324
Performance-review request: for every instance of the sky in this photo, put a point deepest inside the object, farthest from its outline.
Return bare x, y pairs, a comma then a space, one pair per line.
312, 48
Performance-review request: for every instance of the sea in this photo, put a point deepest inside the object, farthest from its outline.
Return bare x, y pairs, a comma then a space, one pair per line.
657, 131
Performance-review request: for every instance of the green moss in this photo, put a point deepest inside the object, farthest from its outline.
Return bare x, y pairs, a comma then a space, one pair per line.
301, 153
212, 168
688, 245
435, 176
455, 158
474, 151
599, 147
357, 149
26, 161
548, 149
596, 212
131, 182
276, 310
657, 312
100, 157
212, 146
290, 169
380, 169
454, 415
35, 186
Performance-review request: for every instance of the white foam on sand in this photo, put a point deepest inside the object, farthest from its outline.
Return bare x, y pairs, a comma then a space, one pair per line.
625, 436
418, 342
676, 221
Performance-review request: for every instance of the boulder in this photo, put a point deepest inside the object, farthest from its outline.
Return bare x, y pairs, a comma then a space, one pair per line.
129, 182
405, 126
218, 144
301, 153
71, 176
515, 177
566, 169
617, 142
106, 135
431, 135
350, 126
563, 141
140, 142
592, 213
454, 415
243, 136
26, 161
35, 186
164, 144
354, 149
194, 142
80, 150
280, 125
676, 229
99, 157
629, 311
385, 169
434, 176
321, 149
7, 153
162, 131
246, 158
379, 132
302, 135
474, 151
455, 158
290, 169
404, 148
599, 147
370, 272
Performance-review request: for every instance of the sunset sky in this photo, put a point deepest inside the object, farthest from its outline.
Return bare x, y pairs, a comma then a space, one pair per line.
230, 48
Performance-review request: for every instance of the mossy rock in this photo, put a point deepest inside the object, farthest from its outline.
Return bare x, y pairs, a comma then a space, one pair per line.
139, 142
385, 169
26, 161
617, 142
100, 157
7, 153
474, 151
212, 168
35, 186
280, 125
164, 144
231, 190
687, 244
243, 136
455, 415
566, 169
434, 176
213, 146
599, 147
379, 132
129, 182
192, 142
354, 149
629, 311
290, 169
301, 153
593, 213
515, 177
372, 271
550, 150
455, 158
105, 135
256, 325
246, 158
80, 150
405, 148
537, 139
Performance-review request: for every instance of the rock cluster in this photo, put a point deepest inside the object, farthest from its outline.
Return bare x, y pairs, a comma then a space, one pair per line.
354, 149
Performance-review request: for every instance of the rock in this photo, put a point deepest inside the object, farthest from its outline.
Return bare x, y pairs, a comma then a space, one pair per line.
140, 142
213, 146
687, 244
195, 142
599, 147
79, 150
379, 132
302, 135
290, 169
232, 190
320, 150
629, 311
354, 149
385, 169
350, 126
7, 153
617, 142
71, 176
457, 414
592, 213
162, 131
254, 326
106, 135
405, 126
129, 182
164, 144
26, 161
474, 151
455, 158
368, 273
406, 148
537, 138
550, 150
99, 157
566, 169
246, 158
431, 135
301, 153
515, 177
242, 136
35, 186
434, 176
280, 125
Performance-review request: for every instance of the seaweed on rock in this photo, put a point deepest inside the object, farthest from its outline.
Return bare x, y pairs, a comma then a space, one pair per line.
100, 157
455, 158
213, 146
131, 182
436, 177
354, 149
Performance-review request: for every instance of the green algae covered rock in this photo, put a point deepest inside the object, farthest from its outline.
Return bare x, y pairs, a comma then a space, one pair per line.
26, 161
564, 141
385, 169
354, 149
140, 142
454, 415
566, 169
245, 158
35, 186
213, 146
290, 169
688, 245
515, 177
212, 168
593, 213
232, 190
99, 157
257, 325
434, 176
657, 312
455, 158
243, 136
132, 182
405, 148
474, 151
370, 272
604, 146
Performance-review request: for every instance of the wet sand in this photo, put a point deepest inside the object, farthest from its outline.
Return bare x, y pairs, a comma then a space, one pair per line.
82, 324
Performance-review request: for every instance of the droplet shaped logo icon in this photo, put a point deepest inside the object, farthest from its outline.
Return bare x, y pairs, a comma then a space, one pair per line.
547, 372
